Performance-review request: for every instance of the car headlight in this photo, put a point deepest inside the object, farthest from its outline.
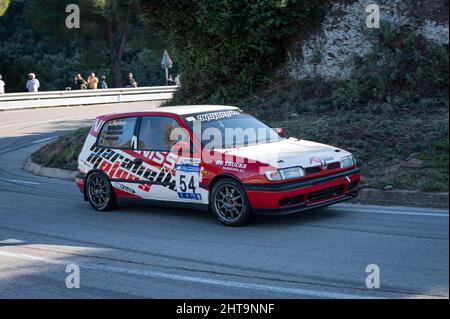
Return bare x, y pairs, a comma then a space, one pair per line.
285, 174
348, 161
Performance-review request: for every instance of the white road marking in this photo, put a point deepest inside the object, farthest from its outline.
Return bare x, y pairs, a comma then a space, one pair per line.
23, 124
11, 241
191, 279
45, 140
4, 151
19, 181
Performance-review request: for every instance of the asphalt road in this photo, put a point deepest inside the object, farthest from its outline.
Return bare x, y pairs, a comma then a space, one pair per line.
150, 252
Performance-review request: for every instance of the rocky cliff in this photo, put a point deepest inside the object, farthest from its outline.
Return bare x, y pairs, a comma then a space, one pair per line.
329, 51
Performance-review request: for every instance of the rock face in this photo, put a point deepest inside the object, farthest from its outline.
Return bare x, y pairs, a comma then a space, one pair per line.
330, 51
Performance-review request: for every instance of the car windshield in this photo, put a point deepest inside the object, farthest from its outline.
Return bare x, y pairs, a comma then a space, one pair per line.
230, 128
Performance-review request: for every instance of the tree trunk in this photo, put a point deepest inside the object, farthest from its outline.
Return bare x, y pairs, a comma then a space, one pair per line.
117, 49
116, 68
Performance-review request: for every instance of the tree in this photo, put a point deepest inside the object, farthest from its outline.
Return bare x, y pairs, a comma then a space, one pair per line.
117, 16
3, 6
226, 48
104, 23
34, 38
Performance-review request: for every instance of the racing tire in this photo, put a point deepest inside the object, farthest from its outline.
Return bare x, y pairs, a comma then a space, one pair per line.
229, 203
100, 192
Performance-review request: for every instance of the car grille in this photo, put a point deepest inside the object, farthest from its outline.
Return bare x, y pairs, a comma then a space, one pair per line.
292, 200
353, 185
326, 193
313, 170
318, 169
335, 165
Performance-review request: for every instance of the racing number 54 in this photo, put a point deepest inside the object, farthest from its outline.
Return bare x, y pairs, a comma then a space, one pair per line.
190, 185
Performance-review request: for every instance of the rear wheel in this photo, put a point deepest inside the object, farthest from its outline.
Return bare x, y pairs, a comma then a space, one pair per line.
100, 192
229, 203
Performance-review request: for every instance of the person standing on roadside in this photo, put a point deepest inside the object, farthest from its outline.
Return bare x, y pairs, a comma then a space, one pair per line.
178, 80
170, 80
33, 84
102, 85
131, 82
92, 82
79, 83
2, 85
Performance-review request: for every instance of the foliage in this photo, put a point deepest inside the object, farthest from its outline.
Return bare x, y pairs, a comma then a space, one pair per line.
3, 6
401, 68
62, 153
33, 38
383, 144
403, 72
226, 48
149, 71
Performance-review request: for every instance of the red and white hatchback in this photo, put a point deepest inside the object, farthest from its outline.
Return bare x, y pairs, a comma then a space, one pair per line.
214, 156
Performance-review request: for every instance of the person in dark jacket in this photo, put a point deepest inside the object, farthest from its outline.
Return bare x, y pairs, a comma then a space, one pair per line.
170, 80
102, 85
131, 82
79, 83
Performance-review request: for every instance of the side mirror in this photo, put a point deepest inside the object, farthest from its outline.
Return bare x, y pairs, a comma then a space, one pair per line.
181, 148
281, 131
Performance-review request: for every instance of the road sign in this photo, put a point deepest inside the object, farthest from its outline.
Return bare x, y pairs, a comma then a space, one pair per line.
166, 61
166, 64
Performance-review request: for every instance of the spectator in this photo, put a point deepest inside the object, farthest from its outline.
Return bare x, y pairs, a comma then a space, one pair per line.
170, 80
178, 80
131, 82
79, 83
92, 82
2, 85
102, 84
32, 83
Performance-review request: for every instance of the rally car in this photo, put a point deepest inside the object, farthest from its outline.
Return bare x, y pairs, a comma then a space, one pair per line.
216, 157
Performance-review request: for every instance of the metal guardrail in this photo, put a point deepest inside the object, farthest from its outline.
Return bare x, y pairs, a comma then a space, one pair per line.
15, 101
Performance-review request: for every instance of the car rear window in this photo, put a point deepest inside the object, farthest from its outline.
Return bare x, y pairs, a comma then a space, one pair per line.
118, 133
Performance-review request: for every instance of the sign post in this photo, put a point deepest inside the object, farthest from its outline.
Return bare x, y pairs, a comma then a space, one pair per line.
166, 64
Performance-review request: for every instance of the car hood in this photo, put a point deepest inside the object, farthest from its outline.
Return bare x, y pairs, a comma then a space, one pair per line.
289, 153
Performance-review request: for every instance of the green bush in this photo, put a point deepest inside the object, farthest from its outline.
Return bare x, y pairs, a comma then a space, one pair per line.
401, 68
402, 72
62, 153
227, 48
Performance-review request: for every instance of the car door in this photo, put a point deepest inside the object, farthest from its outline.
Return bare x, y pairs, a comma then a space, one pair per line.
171, 172
114, 155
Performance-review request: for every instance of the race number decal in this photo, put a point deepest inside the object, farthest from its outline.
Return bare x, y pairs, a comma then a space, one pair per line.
188, 184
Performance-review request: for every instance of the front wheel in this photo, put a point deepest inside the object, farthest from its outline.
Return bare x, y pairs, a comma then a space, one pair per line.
100, 192
230, 204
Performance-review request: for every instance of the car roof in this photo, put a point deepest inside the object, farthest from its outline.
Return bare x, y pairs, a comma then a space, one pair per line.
191, 109
176, 110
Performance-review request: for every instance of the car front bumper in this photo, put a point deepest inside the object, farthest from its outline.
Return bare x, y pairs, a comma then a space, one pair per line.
293, 197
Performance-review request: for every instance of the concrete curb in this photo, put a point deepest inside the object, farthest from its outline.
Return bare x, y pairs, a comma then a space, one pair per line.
49, 172
368, 196
402, 197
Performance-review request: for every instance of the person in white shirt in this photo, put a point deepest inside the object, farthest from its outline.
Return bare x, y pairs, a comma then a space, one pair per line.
178, 80
32, 83
2, 85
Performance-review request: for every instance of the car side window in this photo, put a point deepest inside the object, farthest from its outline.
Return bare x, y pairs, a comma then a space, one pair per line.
160, 133
118, 133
